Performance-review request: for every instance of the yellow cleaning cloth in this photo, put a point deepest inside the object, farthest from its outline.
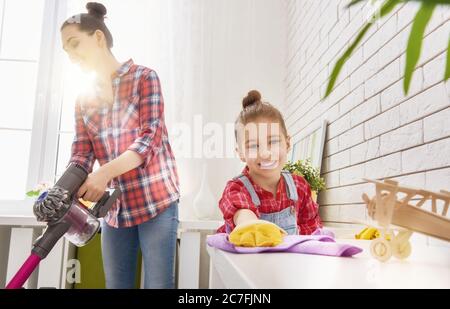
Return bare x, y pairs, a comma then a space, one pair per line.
257, 233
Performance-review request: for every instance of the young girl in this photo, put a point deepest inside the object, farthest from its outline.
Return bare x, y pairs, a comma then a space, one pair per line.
264, 191
122, 126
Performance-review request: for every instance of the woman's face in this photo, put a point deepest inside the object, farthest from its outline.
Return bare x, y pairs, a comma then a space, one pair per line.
263, 147
83, 49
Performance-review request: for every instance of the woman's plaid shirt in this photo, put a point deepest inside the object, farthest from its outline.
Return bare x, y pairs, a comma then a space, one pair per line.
135, 121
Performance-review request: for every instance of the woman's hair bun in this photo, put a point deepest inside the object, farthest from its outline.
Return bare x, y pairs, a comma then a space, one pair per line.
253, 97
96, 9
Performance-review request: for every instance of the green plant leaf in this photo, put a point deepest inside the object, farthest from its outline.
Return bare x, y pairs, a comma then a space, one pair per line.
353, 2
415, 41
32, 193
431, 1
386, 8
340, 63
447, 67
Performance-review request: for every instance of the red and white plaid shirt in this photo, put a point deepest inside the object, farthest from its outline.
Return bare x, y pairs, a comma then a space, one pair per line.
236, 197
135, 121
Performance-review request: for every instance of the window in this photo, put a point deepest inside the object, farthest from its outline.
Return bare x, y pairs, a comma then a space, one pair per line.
39, 86
74, 81
20, 38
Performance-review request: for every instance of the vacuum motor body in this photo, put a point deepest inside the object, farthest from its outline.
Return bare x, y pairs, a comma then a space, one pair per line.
65, 215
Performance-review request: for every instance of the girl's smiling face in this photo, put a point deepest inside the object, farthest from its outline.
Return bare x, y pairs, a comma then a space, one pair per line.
263, 146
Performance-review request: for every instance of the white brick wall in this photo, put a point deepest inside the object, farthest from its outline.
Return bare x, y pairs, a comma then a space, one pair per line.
375, 131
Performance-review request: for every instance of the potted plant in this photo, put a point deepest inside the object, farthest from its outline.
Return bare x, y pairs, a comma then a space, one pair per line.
309, 173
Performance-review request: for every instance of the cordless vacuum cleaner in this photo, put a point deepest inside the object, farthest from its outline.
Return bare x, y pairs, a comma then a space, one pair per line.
64, 216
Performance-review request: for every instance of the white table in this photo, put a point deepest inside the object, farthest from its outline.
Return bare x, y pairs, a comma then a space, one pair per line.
427, 267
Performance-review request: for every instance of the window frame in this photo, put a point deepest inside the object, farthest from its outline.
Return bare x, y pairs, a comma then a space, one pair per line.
48, 103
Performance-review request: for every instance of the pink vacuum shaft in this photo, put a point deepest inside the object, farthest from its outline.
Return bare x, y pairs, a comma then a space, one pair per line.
24, 272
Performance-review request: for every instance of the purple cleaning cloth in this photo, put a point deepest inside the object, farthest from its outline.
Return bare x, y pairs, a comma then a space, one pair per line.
323, 231
311, 244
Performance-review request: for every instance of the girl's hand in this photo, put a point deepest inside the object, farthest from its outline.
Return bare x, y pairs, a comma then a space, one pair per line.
244, 215
257, 233
95, 186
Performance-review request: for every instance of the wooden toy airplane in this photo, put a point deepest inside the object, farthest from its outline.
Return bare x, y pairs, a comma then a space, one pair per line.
401, 206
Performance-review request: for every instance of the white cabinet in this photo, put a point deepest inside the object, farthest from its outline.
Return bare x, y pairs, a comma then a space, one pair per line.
17, 235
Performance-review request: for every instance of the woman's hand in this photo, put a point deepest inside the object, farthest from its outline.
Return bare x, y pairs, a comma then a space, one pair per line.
95, 186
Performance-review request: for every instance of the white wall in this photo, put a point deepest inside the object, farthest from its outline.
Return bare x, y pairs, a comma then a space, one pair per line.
221, 50
208, 54
375, 131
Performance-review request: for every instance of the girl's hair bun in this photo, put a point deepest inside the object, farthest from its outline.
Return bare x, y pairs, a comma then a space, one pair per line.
96, 9
253, 98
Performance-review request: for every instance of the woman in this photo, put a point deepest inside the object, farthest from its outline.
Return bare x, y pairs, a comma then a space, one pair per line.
122, 126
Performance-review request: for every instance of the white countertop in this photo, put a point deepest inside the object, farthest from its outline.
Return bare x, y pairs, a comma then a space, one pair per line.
199, 224
427, 267
18, 214
9, 219
18, 220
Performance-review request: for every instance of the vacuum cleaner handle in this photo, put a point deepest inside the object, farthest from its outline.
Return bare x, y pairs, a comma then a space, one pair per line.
41, 248
45, 243
102, 207
72, 179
